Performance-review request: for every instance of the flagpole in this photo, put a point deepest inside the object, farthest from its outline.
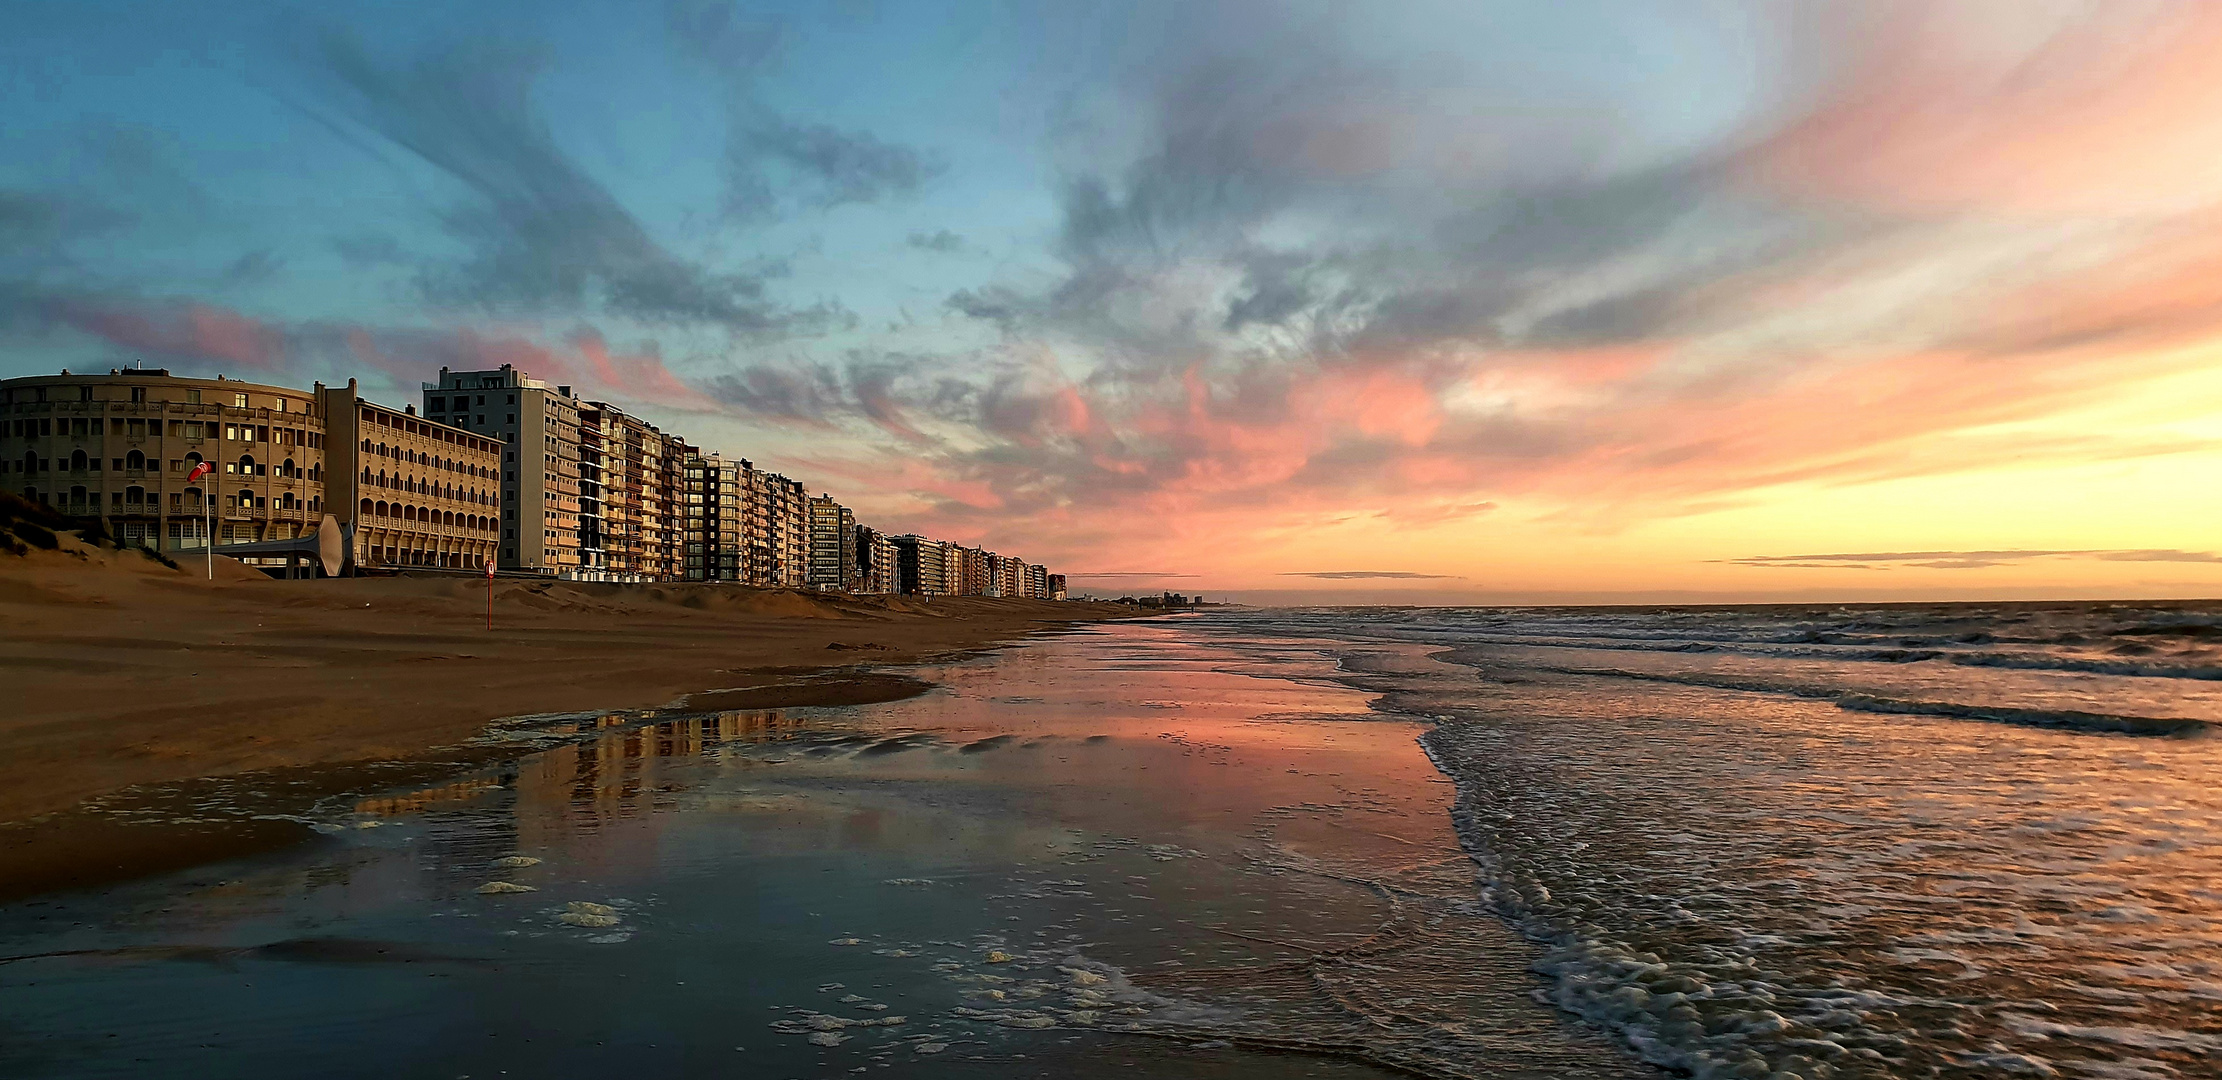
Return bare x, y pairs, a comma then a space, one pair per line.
208, 521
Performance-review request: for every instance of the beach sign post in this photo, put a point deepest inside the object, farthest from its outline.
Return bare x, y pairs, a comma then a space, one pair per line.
208, 539
489, 594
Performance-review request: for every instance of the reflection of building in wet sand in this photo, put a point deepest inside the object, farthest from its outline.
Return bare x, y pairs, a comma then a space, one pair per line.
597, 798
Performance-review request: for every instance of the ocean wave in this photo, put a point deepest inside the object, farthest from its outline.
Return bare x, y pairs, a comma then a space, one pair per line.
2064, 719
2148, 669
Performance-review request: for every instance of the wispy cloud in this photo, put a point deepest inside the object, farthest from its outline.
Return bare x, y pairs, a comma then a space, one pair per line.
1971, 560
1359, 575
544, 237
941, 240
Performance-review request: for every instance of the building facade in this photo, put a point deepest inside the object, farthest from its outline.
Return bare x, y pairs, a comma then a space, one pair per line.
716, 516
419, 493
539, 425
499, 465
832, 546
921, 566
877, 571
117, 448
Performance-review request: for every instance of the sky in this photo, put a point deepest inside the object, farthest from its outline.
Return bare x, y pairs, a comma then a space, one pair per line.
1410, 302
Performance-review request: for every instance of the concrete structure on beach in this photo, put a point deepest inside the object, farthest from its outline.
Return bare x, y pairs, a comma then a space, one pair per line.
498, 465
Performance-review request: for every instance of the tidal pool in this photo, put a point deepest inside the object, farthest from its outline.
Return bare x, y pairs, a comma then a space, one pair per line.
1127, 850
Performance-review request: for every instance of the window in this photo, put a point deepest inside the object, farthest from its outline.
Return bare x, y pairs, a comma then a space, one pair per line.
439, 404
84, 393
239, 401
192, 397
138, 395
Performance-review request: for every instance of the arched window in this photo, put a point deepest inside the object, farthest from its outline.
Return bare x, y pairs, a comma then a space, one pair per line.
366, 474
366, 446
76, 464
382, 509
288, 468
246, 499
77, 494
448, 520
245, 466
30, 465
367, 509
133, 496
382, 482
135, 461
191, 460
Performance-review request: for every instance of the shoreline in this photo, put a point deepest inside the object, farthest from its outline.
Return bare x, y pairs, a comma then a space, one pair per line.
127, 674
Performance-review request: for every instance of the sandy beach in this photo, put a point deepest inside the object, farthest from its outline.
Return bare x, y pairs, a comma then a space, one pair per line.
123, 671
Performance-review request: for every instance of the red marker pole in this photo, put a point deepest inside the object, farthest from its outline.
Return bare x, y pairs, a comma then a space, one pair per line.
489, 594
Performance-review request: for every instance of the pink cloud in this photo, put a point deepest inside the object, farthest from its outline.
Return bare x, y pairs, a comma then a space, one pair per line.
179, 330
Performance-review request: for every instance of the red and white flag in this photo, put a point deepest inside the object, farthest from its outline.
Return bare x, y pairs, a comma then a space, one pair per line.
489, 569
199, 470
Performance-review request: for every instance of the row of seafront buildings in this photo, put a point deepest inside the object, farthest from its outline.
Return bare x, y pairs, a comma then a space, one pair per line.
498, 467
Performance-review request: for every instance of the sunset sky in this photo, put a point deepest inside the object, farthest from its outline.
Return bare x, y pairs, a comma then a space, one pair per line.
1417, 302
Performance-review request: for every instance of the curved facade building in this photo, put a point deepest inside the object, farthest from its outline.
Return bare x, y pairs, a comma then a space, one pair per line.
118, 447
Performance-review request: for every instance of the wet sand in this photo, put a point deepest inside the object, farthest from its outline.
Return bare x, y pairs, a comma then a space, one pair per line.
121, 671
1117, 852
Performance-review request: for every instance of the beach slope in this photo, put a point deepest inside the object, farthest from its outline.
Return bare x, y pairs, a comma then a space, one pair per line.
121, 670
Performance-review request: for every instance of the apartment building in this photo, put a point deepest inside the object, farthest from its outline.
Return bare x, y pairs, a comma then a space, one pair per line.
832, 546
499, 465
1057, 587
777, 532
539, 426
117, 447
877, 571
419, 493
593, 516
716, 520
921, 565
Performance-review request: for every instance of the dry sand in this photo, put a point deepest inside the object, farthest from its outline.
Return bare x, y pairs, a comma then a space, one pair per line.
123, 671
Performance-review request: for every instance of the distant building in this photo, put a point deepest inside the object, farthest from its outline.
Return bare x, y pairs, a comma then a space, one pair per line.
877, 562
832, 545
921, 566
539, 424
1057, 587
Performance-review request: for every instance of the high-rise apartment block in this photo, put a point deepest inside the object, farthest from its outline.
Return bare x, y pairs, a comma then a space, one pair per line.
498, 467
716, 521
832, 546
539, 425
876, 562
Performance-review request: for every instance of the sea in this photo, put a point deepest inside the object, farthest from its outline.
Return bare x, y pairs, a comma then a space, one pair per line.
1899, 840
1765, 842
